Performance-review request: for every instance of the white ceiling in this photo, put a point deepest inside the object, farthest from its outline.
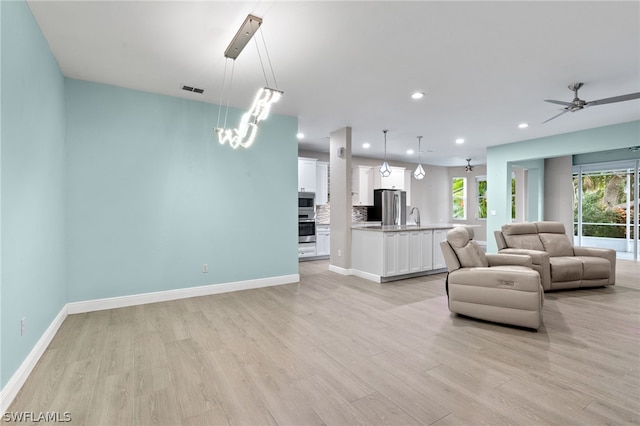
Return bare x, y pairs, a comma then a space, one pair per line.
485, 67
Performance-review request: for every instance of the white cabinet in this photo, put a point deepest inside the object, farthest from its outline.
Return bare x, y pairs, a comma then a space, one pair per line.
323, 238
390, 254
438, 257
403, 252
306, 174
427, 250
421, 251
362, 185
306, 250
394, 181
378, 255
411, 252
415, 251
396, 253
322, 183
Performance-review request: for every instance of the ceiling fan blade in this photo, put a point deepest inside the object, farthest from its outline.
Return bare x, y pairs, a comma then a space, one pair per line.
615, 99
556, 116
558, 102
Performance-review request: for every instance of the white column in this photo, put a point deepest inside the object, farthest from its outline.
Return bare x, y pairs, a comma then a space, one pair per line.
340, 190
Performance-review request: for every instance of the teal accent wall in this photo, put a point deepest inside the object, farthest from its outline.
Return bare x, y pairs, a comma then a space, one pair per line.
605, 156
152, 195
109, 192
501, 157
2, 380
32, 185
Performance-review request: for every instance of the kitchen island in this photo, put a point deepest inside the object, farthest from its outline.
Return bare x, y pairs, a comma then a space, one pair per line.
388, 253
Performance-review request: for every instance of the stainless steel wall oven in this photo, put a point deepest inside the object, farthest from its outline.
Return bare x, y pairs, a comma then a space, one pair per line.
306, 231
306, 217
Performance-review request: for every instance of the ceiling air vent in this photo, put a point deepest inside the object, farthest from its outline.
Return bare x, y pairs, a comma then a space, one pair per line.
192, 89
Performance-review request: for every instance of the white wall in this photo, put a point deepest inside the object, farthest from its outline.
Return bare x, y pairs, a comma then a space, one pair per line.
480, 225
431, 195
558, 191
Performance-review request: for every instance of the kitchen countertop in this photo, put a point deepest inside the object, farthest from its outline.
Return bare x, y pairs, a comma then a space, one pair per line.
400, 228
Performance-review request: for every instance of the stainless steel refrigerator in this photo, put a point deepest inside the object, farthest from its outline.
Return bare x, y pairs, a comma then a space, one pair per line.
389, 207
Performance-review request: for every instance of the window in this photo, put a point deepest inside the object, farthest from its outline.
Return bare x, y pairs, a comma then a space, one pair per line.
481, 191
459, 196
513, 198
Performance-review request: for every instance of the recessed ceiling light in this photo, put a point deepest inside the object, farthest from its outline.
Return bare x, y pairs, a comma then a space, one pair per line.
300, 135
523, 125
417, 95
366, 145
410, 152
459, 141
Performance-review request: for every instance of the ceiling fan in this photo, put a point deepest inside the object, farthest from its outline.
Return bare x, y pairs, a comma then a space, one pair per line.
577, 104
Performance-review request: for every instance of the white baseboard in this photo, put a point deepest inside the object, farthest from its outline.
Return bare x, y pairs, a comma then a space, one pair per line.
13, 386
366, 275
180, 293
339, 270
15, 383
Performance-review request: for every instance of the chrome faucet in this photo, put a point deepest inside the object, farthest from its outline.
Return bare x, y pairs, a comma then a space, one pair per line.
415, 209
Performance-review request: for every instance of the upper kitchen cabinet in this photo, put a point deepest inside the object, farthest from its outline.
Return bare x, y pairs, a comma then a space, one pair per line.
322, 183
394, 181
307, 174
362, 185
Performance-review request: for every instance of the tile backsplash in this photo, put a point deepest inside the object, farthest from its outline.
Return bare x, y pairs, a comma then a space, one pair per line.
323, 213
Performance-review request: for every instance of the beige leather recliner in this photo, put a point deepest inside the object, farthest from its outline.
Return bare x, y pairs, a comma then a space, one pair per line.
560, 264
495, 287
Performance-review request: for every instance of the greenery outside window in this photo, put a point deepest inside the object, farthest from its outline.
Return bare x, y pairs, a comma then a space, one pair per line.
481, 191
607, 202
481, 194
459, 196
513, 198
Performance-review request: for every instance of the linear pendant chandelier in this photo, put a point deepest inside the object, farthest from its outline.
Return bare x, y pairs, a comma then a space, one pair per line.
245, 133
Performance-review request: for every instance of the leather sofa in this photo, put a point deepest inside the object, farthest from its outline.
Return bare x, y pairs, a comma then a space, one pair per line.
560, 264
500, 288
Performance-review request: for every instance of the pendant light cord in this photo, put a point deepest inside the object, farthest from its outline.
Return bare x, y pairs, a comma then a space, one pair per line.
233, 67
385, 145
275, 82
224, 76
222, 91
264, 72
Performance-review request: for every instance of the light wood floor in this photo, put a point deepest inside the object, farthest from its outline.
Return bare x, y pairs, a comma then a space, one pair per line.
343, 351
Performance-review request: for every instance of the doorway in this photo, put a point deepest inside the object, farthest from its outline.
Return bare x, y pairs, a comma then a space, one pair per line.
606, 206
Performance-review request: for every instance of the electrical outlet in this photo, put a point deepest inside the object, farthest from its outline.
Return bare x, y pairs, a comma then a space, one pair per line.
205, 268
339, 252
22, 326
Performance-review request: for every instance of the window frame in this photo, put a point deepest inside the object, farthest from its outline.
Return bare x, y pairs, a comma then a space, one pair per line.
455, 197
